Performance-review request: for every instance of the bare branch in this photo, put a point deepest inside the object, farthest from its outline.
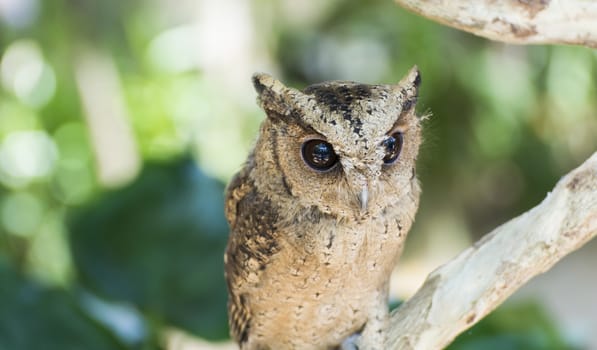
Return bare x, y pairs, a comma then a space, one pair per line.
461, 292
516, 21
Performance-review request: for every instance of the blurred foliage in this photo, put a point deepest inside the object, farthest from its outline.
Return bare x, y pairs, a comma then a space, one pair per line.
514, 327
109, 262
158, 244
37, 317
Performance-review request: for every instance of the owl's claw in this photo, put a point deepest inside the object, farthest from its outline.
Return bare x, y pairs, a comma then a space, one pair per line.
351, 343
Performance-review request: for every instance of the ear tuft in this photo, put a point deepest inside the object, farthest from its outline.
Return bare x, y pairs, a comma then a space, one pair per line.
409, 85
273, 96
259, 87
261, 81
414, 76
265, 83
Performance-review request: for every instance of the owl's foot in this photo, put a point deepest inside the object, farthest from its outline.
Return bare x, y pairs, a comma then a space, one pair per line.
351, 343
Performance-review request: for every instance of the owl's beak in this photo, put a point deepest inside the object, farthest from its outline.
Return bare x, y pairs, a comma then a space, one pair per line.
359, 185
364, 198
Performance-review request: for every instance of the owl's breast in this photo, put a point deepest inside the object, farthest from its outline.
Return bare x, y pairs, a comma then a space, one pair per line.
327, 283
352, 246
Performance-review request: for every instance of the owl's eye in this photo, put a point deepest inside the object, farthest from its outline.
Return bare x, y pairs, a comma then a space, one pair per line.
319, 155
393, 146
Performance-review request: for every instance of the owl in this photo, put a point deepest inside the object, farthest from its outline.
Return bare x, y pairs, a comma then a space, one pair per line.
319, 213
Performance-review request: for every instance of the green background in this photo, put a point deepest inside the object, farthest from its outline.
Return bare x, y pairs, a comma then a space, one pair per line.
112, 262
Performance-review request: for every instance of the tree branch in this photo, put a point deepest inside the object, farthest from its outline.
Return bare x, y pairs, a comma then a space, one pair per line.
516, 21
461, 292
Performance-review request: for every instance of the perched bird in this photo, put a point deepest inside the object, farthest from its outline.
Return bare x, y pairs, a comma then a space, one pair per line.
319, 214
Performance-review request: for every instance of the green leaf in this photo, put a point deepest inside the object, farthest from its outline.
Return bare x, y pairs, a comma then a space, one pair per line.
35, 317
159, 244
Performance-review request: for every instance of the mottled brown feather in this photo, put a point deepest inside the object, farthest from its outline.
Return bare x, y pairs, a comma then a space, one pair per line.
252, 243
307, 264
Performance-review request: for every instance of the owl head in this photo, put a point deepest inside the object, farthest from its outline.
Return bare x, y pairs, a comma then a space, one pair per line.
344, 148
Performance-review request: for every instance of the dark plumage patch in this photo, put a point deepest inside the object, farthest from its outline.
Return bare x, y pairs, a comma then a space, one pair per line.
408, 104
340, 99
259, 87
258, 227
418, 80
330, 241
254, 239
